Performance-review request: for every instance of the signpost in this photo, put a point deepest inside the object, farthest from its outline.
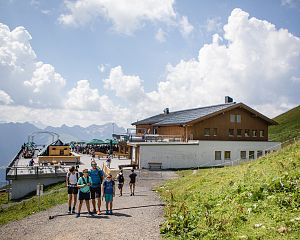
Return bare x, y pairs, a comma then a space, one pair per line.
39, 192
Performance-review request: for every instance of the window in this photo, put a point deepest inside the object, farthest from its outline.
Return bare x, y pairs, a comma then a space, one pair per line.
154, 130
61, 152
247, 133
218, 155
251, 154
239, 132
267, 152
254, 133
243, 155
215, 131
227, 155
235, 118
206, 131
231, 132
261, 133
232, 118
259, 153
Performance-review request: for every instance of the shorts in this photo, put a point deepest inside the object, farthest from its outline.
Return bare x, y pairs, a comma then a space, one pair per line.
72, 190
95, 192
108, 197
131, 183
120, 185
84, 196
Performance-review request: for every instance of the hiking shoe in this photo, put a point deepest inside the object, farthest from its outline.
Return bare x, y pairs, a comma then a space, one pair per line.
69, 211
110, 212
131, 194
77, 215
91, 213
107, 212
94, 211
98, 212
73, 211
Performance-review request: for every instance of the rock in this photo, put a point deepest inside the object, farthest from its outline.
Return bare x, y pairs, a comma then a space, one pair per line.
243, 237
283, 230
258, 225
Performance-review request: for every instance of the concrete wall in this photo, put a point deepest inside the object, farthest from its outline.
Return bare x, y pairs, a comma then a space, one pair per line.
200, 154
22, 187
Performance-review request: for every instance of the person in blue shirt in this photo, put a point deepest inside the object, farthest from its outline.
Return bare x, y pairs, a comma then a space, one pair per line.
97, 176
108, 193
84, 183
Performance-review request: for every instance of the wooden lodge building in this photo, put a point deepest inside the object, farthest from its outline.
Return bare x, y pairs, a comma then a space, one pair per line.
226, 122
221, 132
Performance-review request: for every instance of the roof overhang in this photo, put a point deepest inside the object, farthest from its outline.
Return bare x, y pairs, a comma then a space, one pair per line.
238, 105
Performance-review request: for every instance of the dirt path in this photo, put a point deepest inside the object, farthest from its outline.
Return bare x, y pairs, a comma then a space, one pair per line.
136, 217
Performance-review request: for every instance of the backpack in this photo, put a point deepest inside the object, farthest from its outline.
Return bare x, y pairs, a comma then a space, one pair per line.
77, 176
121, 178
85, 181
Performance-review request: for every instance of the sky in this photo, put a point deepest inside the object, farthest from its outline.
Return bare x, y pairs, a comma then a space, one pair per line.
84, 62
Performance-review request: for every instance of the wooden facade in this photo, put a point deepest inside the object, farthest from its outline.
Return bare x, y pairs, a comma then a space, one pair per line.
238, 123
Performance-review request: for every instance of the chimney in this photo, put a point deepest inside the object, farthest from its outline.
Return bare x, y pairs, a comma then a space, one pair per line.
228, 99
166, 111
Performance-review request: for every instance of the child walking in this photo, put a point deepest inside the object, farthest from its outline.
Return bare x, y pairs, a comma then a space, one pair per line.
108, 193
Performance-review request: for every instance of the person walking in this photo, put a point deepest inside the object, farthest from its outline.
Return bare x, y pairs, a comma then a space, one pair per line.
97, 177
108, 193
71, 183
84, 183
132, 177
120, 179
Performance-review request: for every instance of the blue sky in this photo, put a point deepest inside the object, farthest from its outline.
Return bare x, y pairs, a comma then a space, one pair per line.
117, 61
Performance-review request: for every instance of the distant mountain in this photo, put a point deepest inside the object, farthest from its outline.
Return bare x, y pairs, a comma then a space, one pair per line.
13, 135
288, 127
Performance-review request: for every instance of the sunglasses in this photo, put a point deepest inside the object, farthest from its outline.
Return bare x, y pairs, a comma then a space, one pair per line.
85, 172
94, 164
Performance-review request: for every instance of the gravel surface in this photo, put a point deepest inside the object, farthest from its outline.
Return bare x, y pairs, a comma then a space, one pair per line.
135, 217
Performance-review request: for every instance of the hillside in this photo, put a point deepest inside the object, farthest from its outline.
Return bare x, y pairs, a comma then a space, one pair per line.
288, 127
255, 200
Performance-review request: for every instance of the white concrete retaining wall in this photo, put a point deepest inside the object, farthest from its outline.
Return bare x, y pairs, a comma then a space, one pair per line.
198, 154
22, 187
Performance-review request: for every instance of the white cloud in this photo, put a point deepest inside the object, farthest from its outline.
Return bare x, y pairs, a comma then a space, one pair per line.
101, 68
126, 16
253, 62
185, 27
125, 86
160, 35
213, 25
83, 97
5, 98
290, 3
23, 77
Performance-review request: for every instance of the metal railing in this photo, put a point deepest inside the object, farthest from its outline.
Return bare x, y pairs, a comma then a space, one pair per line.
15, 172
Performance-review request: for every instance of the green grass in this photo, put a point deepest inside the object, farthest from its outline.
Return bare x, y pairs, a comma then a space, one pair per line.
289, 126
54, 195
226, 203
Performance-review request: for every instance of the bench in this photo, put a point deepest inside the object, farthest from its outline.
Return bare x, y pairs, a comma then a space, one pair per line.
154, 165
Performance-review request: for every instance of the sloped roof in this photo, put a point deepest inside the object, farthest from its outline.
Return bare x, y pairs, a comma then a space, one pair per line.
196, 114
58, 142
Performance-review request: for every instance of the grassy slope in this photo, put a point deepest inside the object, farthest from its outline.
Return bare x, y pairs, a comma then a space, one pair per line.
54, 195
226, 203
289, 125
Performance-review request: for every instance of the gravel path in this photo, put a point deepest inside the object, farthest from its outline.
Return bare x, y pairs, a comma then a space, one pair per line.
136, 217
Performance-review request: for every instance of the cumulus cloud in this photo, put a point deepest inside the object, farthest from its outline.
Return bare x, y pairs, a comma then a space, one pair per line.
160, 35
213, 25
27, 80
5, 98
126, 16
185, 27
125, 86
252, 61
